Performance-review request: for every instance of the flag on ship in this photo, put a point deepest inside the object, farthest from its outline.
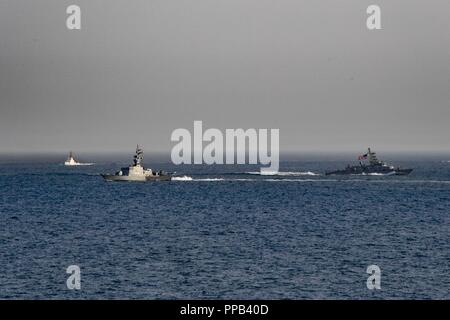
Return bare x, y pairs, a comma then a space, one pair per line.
362, 157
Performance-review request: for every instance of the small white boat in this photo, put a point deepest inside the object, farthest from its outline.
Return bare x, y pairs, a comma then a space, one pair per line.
72, 162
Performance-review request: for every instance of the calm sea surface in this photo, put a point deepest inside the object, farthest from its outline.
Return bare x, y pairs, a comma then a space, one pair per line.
224, 232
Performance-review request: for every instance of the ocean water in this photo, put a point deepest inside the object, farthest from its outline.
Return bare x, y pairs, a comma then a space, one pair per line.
224, 232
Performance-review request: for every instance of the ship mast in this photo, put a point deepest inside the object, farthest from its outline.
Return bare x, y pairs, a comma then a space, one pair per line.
139, 156
373, 160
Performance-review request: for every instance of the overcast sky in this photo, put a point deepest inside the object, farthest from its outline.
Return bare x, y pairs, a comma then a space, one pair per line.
137, 70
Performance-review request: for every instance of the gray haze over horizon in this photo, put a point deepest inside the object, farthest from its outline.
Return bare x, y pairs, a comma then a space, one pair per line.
137, 70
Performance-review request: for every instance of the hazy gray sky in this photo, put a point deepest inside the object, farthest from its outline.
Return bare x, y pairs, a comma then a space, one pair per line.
137, 70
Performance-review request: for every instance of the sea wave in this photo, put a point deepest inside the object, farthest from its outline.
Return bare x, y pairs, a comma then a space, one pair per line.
183, 178
377, 174
286, 173
300, 180
188, 178
280, 180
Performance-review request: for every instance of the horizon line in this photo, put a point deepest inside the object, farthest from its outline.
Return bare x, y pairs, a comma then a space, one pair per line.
159, 152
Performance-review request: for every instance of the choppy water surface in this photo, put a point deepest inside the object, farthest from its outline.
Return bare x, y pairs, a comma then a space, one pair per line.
224, 232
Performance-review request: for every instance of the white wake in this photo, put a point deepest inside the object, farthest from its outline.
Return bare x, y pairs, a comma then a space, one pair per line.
183, 178
287, 173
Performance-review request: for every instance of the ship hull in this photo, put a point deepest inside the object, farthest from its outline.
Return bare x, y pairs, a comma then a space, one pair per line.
403, 172
112, 177
371, 171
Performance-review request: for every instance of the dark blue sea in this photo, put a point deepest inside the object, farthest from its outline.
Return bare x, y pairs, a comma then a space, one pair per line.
224, 232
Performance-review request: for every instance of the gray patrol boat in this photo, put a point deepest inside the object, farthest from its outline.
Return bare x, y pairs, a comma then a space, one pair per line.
375, 167
136, 172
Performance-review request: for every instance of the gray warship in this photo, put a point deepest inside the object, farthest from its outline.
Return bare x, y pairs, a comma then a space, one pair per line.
375, 167
136, 172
